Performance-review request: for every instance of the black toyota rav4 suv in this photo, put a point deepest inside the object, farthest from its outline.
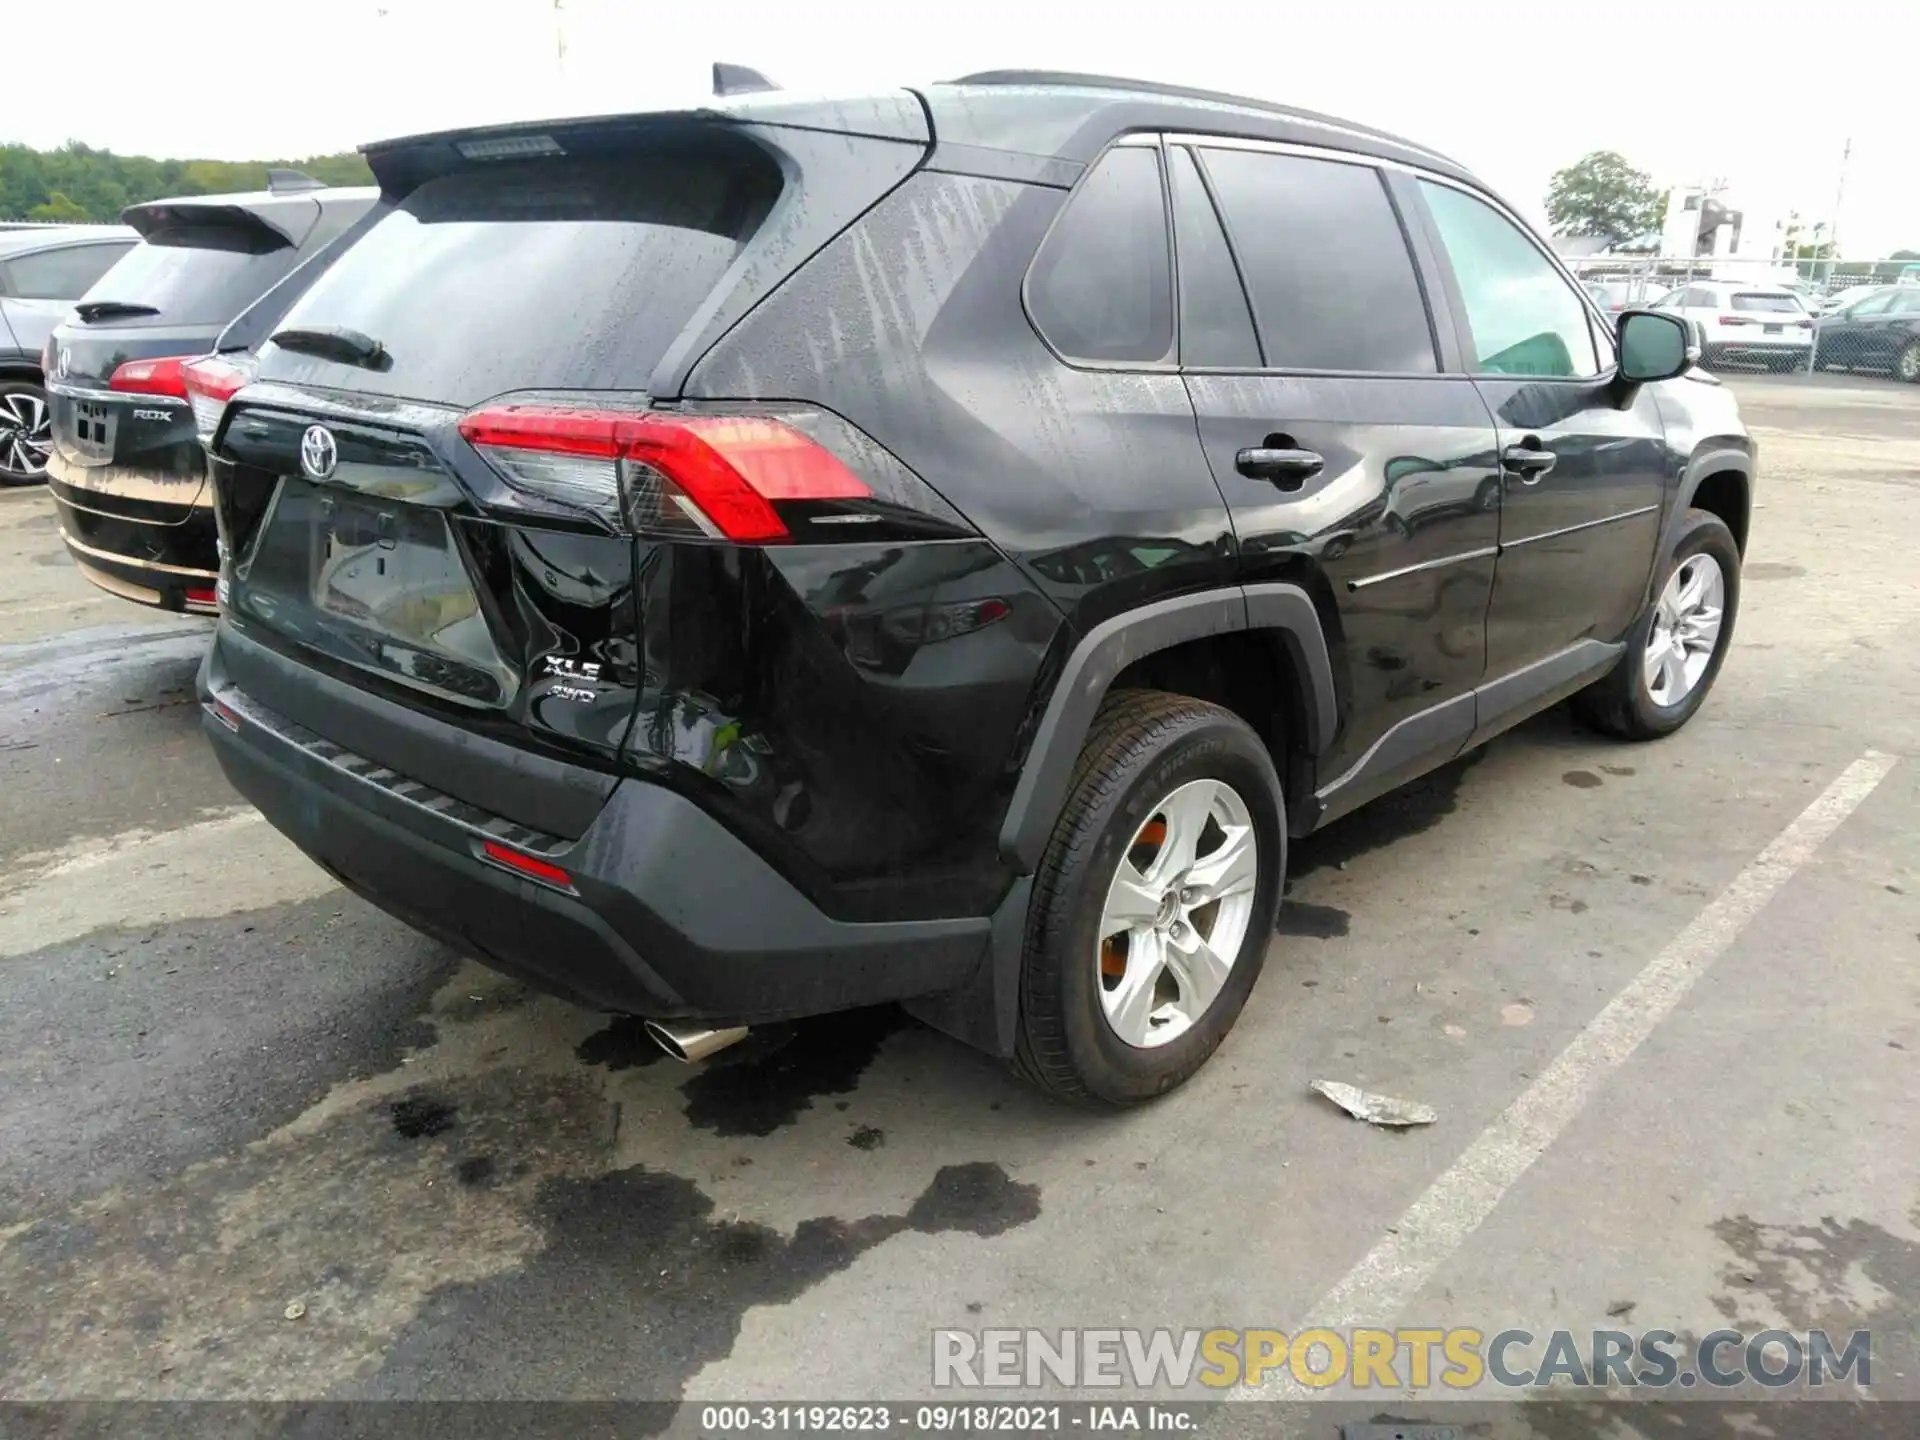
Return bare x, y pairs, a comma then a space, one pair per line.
935, 547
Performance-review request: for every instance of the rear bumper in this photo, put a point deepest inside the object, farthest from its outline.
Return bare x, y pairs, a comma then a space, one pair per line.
155, 553
666, 913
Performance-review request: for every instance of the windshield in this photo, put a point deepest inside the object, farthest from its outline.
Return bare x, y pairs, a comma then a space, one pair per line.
547, 274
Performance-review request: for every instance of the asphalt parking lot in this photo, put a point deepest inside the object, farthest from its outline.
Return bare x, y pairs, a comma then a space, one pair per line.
231, 1093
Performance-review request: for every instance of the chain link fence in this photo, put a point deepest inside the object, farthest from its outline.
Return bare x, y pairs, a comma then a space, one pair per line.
1805, 317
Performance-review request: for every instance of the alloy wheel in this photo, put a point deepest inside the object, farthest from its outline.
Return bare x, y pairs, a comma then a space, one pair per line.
1176, 913
26, 433
1908, 365
1686, 629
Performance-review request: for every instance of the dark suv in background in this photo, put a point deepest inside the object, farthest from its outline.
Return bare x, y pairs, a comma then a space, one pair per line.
127, 470
935, 546
43, 270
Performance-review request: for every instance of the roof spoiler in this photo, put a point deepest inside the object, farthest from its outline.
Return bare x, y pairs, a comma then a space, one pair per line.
212, 212
288, 182
738, 80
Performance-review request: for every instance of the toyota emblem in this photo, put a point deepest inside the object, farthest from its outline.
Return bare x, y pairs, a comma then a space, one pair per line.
318, 452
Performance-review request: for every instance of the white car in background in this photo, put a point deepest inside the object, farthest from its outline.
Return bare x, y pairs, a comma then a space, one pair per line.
1765, 325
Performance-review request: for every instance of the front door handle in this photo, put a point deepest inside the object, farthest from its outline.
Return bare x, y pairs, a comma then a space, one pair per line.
1529, 462
1289, 469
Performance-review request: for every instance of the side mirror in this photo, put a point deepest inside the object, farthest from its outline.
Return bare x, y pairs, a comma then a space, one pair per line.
1655, 346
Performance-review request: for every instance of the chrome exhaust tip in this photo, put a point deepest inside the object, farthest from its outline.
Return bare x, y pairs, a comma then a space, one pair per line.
692, 1043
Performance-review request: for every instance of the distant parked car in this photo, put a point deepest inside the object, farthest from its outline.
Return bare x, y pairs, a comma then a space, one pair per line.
1613, 296
1880, 331
127, 470
43, 270
1763, 325
1841, 299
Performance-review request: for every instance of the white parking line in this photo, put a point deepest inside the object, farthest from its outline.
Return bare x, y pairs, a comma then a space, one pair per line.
1437, 1224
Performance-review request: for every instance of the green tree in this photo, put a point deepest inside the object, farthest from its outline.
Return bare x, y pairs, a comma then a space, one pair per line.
97, 184
60, 209
1601, 194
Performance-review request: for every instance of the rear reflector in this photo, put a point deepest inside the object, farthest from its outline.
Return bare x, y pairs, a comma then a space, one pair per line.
151, 377
202, 595
712, 476
211, 381
528, 865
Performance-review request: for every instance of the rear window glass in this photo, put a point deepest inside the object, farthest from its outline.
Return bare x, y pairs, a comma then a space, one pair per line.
548, 274
196, 274
1777, 304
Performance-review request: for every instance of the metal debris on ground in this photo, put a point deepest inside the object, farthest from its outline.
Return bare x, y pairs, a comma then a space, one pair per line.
1374, 1109
295, 1309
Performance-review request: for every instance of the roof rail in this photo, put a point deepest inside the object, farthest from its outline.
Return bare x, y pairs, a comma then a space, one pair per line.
1110, 82
1075, 80
287, 182
738, 80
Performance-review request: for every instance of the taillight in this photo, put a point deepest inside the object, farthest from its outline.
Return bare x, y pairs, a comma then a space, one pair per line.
211, 381
1804, 324
1735, 320
151, 377
716, 477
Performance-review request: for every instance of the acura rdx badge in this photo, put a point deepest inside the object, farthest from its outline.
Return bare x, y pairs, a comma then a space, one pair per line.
318, 452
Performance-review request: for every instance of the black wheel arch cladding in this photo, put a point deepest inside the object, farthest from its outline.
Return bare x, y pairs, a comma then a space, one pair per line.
1108, 649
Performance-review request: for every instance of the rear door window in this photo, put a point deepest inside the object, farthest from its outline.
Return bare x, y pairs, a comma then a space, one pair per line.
1216, 328
1101, 287
1525, 317
196, 274
565, 274
1326, 263
63, 274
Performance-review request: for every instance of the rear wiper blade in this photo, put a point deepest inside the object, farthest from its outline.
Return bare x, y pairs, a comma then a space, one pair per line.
92, 310
335, 342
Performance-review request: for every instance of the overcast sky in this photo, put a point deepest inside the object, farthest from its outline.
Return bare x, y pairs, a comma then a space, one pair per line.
1763, 96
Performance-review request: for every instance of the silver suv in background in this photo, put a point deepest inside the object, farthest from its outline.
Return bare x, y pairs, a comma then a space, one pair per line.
43, 270
1764, 325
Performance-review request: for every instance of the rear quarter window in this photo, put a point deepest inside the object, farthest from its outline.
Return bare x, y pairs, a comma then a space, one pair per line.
1101, 287
547, 274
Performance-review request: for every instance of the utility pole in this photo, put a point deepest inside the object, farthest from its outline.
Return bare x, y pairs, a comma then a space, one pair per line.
560, 39
1833, 224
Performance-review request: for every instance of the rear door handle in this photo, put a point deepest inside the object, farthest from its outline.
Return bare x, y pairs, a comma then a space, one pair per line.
1529, 462
1289, 469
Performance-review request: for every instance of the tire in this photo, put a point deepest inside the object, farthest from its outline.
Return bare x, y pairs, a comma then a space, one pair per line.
1624, 702
23, 409
1907, 365
1145, 749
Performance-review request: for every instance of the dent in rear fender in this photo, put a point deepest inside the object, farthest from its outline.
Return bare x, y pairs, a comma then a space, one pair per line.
1093, 664
850, 710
